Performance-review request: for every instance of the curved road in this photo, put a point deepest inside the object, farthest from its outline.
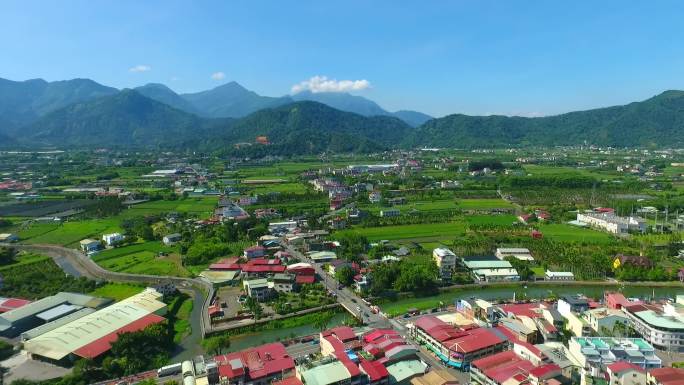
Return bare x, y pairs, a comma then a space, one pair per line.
77, 264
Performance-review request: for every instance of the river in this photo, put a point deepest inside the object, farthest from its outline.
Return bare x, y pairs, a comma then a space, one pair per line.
245, 341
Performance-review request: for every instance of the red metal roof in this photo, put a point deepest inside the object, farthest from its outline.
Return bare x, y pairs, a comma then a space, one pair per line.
263, 268
668, 376
288, 381
12, 303
476, 339
545, 370
379, 333
375, 370
522, 309
502, 366
351, 366
305, 279
264, 261
620, 366
261, 361
103, 344
343, 333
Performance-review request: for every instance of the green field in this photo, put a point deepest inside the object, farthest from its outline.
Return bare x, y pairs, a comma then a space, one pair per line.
500, 220
412, 231
277, 187
179, 314
117, 291
483, 204
142, 258
68, 233
202, 207
569, 233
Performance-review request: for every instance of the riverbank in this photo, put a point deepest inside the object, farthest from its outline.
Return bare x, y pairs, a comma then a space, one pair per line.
531, 290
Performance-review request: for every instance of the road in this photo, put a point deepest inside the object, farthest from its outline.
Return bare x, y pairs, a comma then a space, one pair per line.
77, 264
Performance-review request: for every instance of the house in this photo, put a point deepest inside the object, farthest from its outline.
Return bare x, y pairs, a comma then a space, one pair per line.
632, 260
171, 239
519, 253
435, 377
259, 366
338, 223
112, 239
254, 252
375, 197
625, 373
258, 289
445, 260
90, 245
388, 213
283, 283
559, 275
594, 354
9, 237
604, 319
572, 304
665, 376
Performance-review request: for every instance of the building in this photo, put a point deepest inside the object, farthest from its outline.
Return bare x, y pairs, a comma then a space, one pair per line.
505, 366
492, 271
112, 239
661, 326
445, 260
625, 373
90, 245
572, 304
254, 252
375, 371
402, 372
9, 304
92, 335
559, 276
603, 320
283, 283
339, 339
375, 197
388, 213
594, 354
257, 366
172, 239
456, 347
578, 325
435, 377
259, 289
665, 376
632, 260
30, 315
332, 373
611, 223
519, 253
5, 237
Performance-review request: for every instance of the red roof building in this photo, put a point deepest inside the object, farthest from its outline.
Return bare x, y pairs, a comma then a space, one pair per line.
262, 364
103, 344
12, 303
305, 279
288, 381
376, 371
456, 347
338, 340
666, 376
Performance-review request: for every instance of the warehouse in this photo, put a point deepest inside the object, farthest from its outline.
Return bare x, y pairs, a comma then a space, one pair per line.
92, 335
34, 314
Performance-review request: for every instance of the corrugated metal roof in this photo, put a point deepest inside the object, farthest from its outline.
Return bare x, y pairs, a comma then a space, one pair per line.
42, 329
68, 338
331, 373
56, 312
33, 308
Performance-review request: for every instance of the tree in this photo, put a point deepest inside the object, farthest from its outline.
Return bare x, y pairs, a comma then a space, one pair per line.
217, 345
322, 321
344, 275
254, 307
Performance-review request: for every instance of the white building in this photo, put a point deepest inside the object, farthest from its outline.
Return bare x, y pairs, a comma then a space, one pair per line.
612, 223
663, 329
595, 354
112, 239
171, 239
559, 276
520, 253
445, 260
390, 213
602, 318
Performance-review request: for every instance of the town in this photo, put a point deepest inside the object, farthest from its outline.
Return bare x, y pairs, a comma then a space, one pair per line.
422, 267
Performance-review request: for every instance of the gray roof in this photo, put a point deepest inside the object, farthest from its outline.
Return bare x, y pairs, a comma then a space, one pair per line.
56, 312
44, 328
47, 303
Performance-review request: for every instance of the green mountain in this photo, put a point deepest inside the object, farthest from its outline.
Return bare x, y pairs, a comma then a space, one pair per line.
164, 94
126, 119
311, 127
23, 102
360, 105
655, 121
231, 100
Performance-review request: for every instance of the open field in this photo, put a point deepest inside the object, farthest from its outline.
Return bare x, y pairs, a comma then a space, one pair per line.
142, 258
483, 204
117, 291
202, 207
569, 233
500, 220
68, 233
412, 231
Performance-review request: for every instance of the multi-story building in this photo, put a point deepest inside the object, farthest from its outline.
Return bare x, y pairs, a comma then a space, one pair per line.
612, 223
456, 347
601, 319
520, 253
445, 260
661, 326
594, 354
257, 366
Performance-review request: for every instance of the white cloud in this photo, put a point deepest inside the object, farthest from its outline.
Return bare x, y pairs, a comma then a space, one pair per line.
140, 68
318, 84
218, 75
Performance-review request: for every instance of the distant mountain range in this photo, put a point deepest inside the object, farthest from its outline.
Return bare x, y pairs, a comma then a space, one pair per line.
81, 112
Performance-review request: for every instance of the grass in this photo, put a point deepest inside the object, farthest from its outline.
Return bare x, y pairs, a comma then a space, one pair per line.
412, 231
116, 291
24, 258
281, 188
500, 220
483, 204
569, 233
142, 258
69, 233
202, 207
179, 313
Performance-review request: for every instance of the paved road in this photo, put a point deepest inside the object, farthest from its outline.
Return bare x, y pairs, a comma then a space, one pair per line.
77, 264
346, 297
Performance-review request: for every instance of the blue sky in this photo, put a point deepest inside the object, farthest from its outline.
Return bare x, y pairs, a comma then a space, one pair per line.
474, 57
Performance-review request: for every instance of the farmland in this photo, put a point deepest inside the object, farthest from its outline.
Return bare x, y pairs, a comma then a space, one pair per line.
142, 258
